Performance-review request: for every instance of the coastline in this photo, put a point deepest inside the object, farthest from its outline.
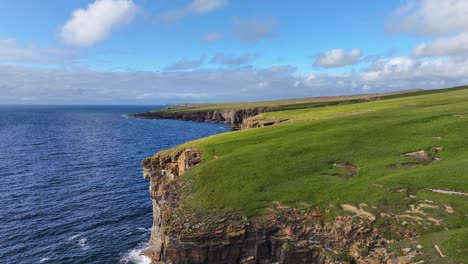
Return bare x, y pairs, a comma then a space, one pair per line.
233, 117
328, 228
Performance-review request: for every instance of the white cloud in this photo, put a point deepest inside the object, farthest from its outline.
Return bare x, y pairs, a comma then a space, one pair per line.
430, 17
92, 25
443, 21
452, 46
261, 85
203, 6
193, 8
366, 87
46, 85
211, 36
253, 30
223, 59
185, 64
13, 52
398, 67
337, 58
422, 74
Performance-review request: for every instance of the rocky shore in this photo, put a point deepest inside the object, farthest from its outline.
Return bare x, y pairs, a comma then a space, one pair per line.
233, 117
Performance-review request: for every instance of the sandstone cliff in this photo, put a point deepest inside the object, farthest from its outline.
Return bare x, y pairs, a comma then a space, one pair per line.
287, 235
233, 117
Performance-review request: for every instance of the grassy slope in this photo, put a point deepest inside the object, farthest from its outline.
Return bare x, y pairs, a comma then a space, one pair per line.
245, 171
289, 104
302, 103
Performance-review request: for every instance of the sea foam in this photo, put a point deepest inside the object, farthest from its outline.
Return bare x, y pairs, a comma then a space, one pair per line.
135, 256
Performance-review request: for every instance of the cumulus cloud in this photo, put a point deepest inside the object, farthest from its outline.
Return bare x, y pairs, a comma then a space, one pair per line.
223, 59
185, 64
451, 46
253, 30
443, 21
89, 26
411, 73
43, 85
399, 67
430, 17
193, 8
338, 58
211, 36
46, 85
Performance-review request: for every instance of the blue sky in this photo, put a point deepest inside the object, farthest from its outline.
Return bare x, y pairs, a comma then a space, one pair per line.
158, 51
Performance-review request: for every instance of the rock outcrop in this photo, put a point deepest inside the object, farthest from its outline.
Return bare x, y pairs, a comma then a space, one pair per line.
286, 235
257, 121
233, 117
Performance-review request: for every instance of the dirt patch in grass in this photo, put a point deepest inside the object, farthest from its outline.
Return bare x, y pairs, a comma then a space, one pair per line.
358, 211
343, 169
447, 192
424, 157
420, 154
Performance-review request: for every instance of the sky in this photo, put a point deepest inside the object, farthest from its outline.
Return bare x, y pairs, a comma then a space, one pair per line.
182, 51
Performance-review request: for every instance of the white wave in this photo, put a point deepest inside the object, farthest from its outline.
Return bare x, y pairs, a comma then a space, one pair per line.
135, 256
44, 259
83, 243
73, 237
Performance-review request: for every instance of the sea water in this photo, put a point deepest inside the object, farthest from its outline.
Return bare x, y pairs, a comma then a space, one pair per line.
71, 185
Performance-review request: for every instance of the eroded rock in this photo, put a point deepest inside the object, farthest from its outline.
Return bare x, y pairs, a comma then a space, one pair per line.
285, 235
233, 117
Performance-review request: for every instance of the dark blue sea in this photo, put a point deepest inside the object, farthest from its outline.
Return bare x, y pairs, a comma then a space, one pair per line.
71, 185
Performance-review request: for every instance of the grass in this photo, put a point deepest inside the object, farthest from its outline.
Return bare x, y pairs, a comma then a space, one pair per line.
245, 171
288, 104
302, 103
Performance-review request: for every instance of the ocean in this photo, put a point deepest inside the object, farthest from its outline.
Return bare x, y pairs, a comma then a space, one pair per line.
71, 185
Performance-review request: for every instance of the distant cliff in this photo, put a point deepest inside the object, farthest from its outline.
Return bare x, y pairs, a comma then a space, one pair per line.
233, 117
287, 236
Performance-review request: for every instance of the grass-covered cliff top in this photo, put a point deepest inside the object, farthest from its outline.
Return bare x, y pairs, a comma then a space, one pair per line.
288, 104
351, 154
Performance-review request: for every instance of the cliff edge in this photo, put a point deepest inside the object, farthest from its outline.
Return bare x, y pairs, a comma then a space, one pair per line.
233, 117
378, 181
286, 235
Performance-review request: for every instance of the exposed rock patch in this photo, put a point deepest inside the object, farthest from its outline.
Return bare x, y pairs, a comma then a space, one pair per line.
449, 209
233, 117
347, 166
343, 169
358, 211
439, 251
425, 157
420, 154
258, 121
442, 191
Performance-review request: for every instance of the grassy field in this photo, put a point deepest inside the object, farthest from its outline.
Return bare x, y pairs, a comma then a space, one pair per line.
306, 160
288, 104
302, 103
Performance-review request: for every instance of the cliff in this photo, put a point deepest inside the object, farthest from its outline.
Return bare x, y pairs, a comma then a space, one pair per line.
373, 182
286, 235
233, 117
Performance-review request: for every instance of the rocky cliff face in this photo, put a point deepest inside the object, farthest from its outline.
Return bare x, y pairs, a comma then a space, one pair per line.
233, 117
258, 121
287, 235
